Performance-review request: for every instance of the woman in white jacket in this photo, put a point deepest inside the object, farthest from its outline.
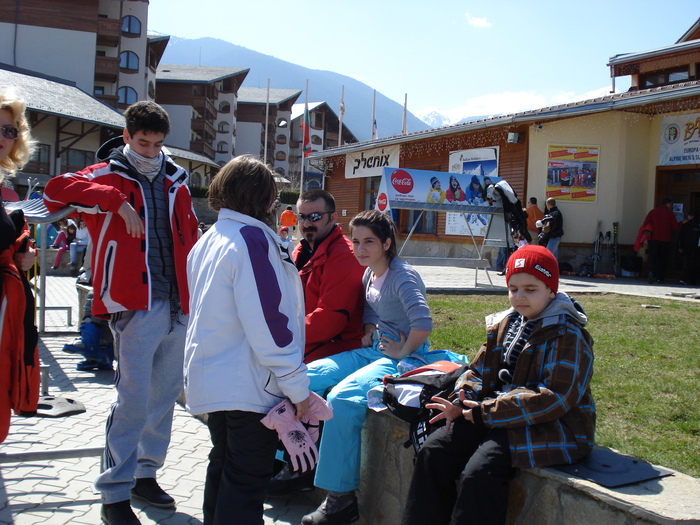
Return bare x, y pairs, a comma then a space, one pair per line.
245, 339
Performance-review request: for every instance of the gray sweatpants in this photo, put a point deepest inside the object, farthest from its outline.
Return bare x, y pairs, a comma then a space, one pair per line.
150, 346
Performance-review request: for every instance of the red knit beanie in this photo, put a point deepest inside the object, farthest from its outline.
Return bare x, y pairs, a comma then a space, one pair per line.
537, 261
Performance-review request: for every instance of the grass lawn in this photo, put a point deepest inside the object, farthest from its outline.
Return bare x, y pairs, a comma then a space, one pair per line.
647, 368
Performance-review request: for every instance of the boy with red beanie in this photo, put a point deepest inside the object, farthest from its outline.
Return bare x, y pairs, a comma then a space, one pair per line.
525, 401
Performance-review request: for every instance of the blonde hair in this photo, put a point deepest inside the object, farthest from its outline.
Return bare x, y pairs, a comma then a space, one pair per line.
23, 146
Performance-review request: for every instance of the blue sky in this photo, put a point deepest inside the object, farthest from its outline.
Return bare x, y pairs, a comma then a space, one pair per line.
460, 57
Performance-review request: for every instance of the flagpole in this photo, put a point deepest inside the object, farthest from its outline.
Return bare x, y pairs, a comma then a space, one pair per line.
342, 114
303, 137
404, 124
374, 116
267, 116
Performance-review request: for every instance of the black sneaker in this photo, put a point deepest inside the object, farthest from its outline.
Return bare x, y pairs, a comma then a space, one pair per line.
148, 490
288, 481
335, 510
119, 513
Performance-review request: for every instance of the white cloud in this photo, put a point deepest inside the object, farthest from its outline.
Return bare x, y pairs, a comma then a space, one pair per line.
476, 21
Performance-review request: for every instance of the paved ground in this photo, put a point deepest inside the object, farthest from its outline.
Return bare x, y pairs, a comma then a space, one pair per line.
59, 491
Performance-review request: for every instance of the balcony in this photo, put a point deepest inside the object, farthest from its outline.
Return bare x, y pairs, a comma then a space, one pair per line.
203, 127
106, 69
200, 146
110, 100
204, 107
108, 32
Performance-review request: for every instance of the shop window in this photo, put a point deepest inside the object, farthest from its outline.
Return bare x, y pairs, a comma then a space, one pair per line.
131, 25
427, 222
76, 159
370, 192
40, 161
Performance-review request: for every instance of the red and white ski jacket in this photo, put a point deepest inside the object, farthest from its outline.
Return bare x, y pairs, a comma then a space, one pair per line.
120, 273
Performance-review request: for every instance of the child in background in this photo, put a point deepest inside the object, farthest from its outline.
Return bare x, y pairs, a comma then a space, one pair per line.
519, 240
525, 401
63, 241
284, 235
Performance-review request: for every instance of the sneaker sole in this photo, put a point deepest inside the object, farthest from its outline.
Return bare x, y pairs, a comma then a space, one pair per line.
152, 504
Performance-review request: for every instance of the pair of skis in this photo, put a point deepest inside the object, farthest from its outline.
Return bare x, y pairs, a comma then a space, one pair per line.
610, 241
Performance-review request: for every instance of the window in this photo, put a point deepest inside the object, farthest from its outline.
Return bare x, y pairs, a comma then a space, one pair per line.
98, 90
76, 159
427, 223
281, 155
281, 139
223, 127
129, 60
663, 78
282, 123
131, 25
370, 192
40, 161
224, 107
222, 147
316, 140
151, 89
126, 95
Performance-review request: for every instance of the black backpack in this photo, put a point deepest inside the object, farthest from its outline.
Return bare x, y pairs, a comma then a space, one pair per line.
406, 395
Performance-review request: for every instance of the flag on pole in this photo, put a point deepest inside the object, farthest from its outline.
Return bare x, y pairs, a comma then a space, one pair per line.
375, 134
341, 114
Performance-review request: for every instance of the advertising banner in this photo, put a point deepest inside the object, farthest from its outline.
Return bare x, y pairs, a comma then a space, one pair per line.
438, 191
371, 162
572, 172
478, 166
680, 140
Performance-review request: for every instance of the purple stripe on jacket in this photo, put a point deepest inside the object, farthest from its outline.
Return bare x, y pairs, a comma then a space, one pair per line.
267, 285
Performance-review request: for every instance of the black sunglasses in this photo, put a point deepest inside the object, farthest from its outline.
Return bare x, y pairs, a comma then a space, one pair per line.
9, 132
313, 216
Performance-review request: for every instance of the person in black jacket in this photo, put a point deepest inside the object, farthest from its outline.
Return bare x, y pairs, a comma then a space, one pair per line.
556, 226
688, 240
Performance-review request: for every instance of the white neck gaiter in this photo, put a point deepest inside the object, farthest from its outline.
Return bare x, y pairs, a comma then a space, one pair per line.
149, 168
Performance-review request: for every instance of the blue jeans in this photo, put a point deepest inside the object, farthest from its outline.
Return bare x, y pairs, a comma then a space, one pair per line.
351, 375
553, 246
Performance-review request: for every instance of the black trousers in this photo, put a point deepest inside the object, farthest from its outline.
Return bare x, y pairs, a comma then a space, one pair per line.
658, 258
461, 477
240, 467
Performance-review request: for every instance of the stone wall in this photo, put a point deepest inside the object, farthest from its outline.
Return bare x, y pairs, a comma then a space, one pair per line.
537, 496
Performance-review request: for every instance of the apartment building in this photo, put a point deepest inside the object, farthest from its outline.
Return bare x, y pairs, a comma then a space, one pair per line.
101, 45
254, 104
324, 127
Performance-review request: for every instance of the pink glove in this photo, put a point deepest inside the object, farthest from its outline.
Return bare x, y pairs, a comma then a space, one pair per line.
296, 440
319, 410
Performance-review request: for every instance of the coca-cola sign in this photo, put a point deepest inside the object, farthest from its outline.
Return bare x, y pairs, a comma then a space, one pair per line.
402, 181
382, 201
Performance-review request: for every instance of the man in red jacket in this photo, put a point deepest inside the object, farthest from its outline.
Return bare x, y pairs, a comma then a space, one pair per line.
331, 277
663, 222
333, 298
138, 210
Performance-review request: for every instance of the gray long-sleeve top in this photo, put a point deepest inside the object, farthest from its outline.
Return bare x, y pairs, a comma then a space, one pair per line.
401, 305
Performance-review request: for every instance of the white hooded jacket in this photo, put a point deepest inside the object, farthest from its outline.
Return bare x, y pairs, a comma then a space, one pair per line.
245, 338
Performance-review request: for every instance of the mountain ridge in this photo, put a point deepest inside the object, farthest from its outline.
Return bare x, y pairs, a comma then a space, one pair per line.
323, 85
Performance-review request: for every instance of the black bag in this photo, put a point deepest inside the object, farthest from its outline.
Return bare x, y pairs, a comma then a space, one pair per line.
406, 395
